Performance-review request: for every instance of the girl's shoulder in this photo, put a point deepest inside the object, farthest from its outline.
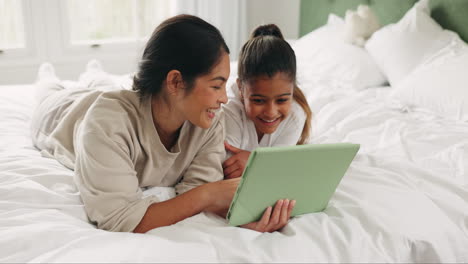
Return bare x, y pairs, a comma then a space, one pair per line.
297, 113
234, 117
234, 108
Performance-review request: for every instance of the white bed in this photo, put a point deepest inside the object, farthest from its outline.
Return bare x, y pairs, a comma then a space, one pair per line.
404, 198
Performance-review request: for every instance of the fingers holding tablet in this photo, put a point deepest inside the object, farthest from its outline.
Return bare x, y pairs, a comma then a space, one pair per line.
275, 218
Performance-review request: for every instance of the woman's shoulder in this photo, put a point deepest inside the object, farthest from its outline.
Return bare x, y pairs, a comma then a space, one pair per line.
118, 102
122, 98
116, 110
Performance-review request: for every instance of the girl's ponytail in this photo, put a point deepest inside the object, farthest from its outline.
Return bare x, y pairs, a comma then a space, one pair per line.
267, 30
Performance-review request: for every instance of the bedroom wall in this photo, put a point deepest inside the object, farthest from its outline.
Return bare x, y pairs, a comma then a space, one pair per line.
19, 71
283, 13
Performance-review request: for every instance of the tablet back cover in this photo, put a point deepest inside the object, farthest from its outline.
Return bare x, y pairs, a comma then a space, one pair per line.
308, 174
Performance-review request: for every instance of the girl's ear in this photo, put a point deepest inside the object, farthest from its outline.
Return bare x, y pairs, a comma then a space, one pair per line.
174, 82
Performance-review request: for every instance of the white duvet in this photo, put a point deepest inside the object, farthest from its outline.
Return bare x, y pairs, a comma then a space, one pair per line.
404, 198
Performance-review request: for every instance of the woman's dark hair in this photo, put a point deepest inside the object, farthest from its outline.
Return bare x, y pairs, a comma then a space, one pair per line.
266, 53
185, 43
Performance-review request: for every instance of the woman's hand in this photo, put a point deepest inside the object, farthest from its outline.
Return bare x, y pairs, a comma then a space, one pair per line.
212, 197
271, 222
234, 166
219, 195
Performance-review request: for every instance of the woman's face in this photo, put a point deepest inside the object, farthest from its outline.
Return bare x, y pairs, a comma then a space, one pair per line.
209, 92
267, 101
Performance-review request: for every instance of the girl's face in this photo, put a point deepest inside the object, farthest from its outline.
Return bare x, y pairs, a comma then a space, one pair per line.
267, 101
207, 95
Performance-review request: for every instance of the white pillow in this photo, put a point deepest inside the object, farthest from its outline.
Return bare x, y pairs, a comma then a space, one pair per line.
324, 55
440, 83
401, 47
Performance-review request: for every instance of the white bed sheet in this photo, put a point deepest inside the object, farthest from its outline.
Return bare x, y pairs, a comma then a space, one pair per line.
404, 198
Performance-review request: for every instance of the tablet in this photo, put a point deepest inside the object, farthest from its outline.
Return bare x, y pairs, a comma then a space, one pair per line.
308, 174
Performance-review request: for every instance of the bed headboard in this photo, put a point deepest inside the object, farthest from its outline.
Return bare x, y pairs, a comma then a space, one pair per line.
450, 14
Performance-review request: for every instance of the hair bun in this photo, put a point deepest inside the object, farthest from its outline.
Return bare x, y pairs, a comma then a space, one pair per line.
267, 30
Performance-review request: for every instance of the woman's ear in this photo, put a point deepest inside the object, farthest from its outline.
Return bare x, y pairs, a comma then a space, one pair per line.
174, 82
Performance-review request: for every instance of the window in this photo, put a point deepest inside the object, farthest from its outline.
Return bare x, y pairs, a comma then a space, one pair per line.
113, 21
91, 20
11, 25
71, 32
67, 30
151, 13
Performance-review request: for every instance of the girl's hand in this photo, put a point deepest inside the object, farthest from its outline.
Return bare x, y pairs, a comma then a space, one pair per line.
234, 166
271, 222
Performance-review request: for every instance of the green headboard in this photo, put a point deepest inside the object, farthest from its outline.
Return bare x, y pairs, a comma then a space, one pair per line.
450, 14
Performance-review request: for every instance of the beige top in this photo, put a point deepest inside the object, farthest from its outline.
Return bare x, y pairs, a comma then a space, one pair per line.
117, 150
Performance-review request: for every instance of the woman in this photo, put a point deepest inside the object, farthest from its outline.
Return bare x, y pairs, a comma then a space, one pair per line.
270, 110
165, 132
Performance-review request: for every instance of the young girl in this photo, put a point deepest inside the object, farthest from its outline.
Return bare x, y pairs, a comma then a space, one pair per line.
166, 132
270, 110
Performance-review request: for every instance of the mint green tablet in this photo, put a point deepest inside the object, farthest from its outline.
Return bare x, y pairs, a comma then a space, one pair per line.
308, 174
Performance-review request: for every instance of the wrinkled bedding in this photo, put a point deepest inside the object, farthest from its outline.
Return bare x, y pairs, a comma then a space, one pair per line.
404, 198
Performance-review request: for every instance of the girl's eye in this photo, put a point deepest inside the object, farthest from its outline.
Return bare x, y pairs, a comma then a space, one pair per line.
216, 87
284, 100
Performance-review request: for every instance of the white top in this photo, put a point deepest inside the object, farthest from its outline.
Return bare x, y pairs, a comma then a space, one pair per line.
241, 132
109, 139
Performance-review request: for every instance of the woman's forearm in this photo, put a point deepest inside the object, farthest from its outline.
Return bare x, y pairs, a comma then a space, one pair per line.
174, 210
212, 197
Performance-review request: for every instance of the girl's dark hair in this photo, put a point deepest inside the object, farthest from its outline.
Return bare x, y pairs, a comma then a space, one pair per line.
266, 53
185, 43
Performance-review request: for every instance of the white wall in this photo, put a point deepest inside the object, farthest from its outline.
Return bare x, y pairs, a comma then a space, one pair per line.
283, 13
